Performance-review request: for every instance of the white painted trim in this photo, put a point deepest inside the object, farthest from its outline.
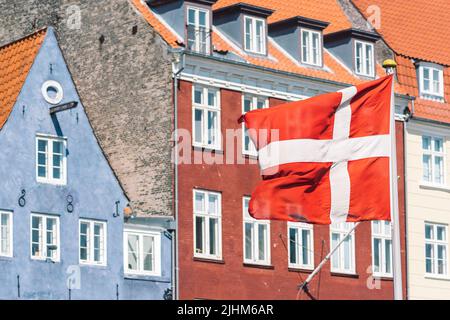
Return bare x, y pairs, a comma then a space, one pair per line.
90, 241
383, 237
9, 254
363, 58
342, 233
49, 164
252, 152
59, 91
254, 239
253, 41
207, 217
128, 230
300, 226
43, 256
319, 49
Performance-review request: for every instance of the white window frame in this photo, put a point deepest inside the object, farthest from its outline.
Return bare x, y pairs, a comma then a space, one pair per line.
197, 28
49, 160
10, 238
205, 232
90, 243
253, 106
205, 109
251, 47
435, 243
342, 232
433, 154
431, 93
255, 235
156, 253
364, 71
383, 237
43, 237
300, 226
309, 59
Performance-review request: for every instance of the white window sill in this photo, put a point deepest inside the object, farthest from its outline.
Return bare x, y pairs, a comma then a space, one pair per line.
141, 274
382, 276
344, 273
207, 147
207, 257
258, 264
47, 260
432, 97
371, 76
426, 185
300, 267
54, 183
437, 277
92, 264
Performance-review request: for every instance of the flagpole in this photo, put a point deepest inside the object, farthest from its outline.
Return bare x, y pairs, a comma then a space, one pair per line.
304, 285
395, 218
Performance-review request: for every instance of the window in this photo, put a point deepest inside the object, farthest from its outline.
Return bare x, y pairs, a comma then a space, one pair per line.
198, 34
92, 242
381, 248
301, 245
44, 237
250, 103
142, 252
206, 118
5, 234
343, 259
435, 249
207, 224
433, 160
311, 47
255, 35
256, 238
364, 59
431, 81
51, 160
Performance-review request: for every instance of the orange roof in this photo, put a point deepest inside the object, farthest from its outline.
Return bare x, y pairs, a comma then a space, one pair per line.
323, 10
277, 59
414, 28
16, 59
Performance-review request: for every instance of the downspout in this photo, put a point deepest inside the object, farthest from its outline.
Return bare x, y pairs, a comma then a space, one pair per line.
179, 63
405, 166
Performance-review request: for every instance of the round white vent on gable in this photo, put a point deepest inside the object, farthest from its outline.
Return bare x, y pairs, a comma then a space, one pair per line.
52, 92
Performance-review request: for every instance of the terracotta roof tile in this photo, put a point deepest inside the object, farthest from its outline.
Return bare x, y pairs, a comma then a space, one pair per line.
16, 59
325, 10
414, 28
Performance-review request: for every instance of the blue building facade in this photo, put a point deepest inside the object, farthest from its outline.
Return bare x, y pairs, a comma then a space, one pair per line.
63, 230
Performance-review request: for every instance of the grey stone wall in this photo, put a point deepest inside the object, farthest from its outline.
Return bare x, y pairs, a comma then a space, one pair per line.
122, 70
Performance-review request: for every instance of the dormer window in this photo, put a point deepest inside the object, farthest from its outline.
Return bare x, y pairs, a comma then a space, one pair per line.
364, 58
198, 30
431, 80
311, 47
255, 35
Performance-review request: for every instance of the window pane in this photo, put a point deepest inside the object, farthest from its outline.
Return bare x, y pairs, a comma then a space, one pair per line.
305, 46
436, 80
358, 57
98, 235
293, 245
5, 234
191, 16
198, 95
84, 233
248, 34
376, 254
306, 234
198, 127
246, 204
247, 104
260, 104
440, 231
315, 48
212, 127
426, 79
202, 18
213, 233
438, 170
429, 232
213, 204
368, 59
148, 253
347, 253
438, 144
426, 162
336, 255
388, 257
211, 98
133, 252
376, 227
199, 234
262, 235
426, 143
259, 36
199, 202
248, 241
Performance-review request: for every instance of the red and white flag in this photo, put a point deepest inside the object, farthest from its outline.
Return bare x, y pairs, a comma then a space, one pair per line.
326, 159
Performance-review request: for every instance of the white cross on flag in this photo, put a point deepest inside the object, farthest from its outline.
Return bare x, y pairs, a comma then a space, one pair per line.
326, 159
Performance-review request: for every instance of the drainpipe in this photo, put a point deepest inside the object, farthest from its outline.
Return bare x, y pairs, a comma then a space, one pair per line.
405, 166
179, 63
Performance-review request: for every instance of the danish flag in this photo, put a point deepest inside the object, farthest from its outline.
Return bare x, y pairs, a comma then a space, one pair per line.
326, 159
